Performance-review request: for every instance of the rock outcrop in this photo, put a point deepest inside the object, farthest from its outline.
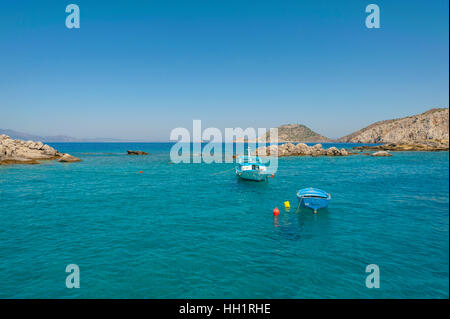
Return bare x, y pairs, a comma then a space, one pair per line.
137, 153
25, 152
301, 149
431, 126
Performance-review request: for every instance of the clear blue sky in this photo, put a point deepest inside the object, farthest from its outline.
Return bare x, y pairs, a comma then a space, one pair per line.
137, 69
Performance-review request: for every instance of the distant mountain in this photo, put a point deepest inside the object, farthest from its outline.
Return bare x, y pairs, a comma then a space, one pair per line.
429, 126
298, 133
49, 139
292, 133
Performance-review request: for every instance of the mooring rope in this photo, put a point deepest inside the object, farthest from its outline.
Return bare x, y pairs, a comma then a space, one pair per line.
223, 171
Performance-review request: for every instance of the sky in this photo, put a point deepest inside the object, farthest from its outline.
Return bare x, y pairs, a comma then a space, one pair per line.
138, 69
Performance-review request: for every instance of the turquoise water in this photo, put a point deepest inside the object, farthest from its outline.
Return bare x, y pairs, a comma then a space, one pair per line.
184, 231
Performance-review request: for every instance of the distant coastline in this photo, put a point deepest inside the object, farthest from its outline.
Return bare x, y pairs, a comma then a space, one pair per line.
425, 131
55, 138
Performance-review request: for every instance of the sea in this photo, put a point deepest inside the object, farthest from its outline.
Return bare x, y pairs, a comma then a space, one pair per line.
144, 227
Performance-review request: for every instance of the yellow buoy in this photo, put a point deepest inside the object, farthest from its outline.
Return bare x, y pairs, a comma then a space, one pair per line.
287, 205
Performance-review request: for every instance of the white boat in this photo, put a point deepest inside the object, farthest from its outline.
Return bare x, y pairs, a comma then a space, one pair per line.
251, 168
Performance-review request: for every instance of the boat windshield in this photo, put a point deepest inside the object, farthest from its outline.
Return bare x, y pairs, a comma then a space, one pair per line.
249, 159
313, 196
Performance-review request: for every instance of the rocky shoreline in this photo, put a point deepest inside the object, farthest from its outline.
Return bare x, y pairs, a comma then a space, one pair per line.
301, 149
29, 152
426, 146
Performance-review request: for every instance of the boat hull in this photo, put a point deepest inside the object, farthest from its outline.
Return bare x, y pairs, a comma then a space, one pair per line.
251, 168
252, 175
314, 203
313, 198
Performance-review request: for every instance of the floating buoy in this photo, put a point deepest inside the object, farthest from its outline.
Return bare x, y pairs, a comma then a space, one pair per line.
140, 172
287, 205
276, 211
273, 175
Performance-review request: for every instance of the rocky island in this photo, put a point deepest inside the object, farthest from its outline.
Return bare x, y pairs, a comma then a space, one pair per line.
298, 133
29, 152
291, 133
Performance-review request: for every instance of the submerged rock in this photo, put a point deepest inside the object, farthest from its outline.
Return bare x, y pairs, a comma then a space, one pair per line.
381, 153
137, 153
17, 161
67, 158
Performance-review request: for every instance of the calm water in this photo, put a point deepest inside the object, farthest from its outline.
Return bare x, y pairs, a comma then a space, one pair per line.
183, 230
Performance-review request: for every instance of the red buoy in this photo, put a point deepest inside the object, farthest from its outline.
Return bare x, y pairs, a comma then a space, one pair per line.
140, 172
276, 211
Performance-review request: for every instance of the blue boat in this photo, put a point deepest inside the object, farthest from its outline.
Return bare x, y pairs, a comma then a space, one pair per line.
251, 168
313, 198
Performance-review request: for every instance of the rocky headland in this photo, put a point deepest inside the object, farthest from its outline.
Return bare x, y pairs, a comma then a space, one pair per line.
428, 131
29, 152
